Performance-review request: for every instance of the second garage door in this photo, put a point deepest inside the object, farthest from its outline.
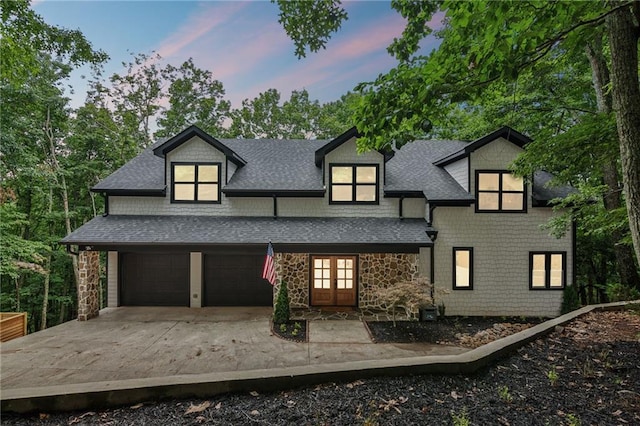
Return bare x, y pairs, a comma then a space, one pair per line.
235, 280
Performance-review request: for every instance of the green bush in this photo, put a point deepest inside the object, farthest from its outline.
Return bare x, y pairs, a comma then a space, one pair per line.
570, 299
282, 311
617, 292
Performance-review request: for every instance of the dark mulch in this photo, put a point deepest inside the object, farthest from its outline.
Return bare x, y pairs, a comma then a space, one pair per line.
444, 330
587, 373
296, 331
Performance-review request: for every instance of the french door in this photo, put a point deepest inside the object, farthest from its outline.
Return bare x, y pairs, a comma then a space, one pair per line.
334, 281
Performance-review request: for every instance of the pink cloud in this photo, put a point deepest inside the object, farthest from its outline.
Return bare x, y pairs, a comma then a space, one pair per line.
328, 65
208, 17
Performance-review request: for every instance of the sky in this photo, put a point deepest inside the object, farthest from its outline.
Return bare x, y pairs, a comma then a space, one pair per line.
240, 42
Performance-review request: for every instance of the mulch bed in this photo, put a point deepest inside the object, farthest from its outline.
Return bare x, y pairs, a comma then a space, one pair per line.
587, 373
295, 331
449, 330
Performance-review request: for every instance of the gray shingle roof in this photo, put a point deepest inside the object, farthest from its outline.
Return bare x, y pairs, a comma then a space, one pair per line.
176, 230
143, 173
276, 165
412, 169
289, 165
543, 193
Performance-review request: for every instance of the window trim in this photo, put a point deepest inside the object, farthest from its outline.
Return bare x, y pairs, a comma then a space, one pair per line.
453, 268
197, 164
547, 270
500, 191
354, 184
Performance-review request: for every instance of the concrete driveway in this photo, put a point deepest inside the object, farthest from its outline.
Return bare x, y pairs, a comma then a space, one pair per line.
144, 342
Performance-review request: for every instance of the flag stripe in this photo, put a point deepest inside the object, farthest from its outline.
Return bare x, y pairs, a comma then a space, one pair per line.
269, 270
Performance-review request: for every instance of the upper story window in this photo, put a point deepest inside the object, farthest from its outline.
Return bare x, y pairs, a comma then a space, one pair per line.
195, 182
547, 270
353, 184
500, 191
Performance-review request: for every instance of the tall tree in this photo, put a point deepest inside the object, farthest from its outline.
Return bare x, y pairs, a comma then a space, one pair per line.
513, 37
195, 97
36, 58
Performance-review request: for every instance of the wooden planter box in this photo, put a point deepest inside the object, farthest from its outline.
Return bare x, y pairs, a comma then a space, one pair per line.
12, 325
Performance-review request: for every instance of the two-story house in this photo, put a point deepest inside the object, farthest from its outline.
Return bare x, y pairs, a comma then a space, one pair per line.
187, 223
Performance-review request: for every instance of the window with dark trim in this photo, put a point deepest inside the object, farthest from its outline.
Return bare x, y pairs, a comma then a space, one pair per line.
463, 268
353, 184
195, 182
500, 191
547, 270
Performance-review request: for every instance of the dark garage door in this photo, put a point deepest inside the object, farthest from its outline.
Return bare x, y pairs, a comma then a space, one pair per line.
235, 280
154, 279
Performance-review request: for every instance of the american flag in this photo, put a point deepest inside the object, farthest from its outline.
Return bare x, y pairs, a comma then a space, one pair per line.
269, 270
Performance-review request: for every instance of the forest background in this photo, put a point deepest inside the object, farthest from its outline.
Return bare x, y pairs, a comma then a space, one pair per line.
554, 73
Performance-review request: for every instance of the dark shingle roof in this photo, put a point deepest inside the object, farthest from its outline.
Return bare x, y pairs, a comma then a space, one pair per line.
143, 173
543, 193
176, 230
276, 165
290, 165
412, 169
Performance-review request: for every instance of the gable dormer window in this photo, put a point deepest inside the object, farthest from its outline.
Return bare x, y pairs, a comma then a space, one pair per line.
353, 183
195, 182
499, 191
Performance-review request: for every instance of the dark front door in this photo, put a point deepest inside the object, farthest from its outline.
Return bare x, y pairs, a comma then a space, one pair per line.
235, 280
154, 279
333, 281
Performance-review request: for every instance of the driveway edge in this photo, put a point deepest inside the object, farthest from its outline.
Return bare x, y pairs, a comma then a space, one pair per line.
105, 394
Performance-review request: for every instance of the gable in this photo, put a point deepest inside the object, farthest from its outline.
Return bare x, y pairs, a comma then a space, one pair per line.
188, 134
497, 155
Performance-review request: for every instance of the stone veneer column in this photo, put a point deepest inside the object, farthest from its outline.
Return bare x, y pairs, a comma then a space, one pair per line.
293, 268
89, 274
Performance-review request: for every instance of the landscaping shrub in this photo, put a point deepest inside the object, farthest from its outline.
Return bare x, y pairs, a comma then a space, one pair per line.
282, 311
407, 295
570, 299
617, 292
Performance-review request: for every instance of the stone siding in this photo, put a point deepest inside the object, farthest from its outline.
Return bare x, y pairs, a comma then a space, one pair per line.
89, 276
378, 270
293, 268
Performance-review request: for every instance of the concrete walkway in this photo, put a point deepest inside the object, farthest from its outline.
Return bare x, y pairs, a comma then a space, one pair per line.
147, 342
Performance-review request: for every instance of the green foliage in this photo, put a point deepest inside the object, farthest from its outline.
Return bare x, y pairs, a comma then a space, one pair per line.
282, 310
296, 118
461, 418
570, 299
553, 376
504, 394
296, 16
617, 292
16, 253
195, 97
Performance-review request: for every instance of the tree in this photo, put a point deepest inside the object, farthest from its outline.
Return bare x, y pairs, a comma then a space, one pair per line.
37, 209
195, 97
513, 37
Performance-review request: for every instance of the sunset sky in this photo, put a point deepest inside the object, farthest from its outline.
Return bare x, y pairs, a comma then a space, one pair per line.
240, 42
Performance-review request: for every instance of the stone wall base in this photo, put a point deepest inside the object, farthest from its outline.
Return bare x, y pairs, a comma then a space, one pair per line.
89, 275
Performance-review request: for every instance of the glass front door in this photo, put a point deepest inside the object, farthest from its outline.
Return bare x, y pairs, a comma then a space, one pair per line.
333, 281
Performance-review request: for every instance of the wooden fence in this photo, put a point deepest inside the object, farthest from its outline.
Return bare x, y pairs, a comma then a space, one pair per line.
12, 325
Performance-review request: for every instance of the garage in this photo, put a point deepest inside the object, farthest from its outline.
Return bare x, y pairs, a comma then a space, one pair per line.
154, 279
235, 280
